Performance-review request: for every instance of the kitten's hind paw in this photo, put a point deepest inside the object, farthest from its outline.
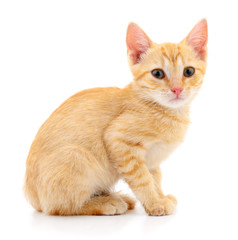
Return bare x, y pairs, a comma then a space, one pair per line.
104, 205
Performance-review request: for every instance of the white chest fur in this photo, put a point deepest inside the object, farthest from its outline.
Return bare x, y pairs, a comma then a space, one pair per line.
158, 152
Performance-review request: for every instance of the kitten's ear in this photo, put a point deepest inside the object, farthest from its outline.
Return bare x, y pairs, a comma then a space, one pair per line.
197, 39
137, 42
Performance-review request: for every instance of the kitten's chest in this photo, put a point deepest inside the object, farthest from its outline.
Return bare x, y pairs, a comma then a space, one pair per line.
159, 151
169, 137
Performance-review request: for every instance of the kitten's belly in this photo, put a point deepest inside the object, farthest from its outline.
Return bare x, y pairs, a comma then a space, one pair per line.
158, 152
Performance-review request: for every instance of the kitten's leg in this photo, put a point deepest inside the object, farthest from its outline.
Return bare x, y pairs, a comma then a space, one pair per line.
133, 169
156, 173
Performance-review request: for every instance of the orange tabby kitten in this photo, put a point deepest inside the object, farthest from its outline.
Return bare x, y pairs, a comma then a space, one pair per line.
100, 135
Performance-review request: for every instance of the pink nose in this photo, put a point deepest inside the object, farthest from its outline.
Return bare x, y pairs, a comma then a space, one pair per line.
177, 91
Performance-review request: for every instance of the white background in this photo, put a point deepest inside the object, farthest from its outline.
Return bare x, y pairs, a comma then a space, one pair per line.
50, 50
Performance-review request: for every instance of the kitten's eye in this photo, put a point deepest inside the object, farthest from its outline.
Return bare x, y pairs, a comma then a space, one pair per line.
188, 71
158, 73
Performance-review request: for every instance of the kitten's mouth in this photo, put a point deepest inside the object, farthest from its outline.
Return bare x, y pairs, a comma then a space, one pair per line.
177, 99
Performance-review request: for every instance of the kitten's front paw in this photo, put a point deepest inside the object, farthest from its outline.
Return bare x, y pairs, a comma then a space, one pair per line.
163, 207
171, 198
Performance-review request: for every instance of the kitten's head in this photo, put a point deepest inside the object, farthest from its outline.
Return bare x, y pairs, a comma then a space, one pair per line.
169, 74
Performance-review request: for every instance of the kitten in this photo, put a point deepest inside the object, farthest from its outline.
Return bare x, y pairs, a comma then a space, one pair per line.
101, 135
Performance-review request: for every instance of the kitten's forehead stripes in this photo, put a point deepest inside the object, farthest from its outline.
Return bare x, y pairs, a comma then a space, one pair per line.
164, 53
171, 56
176, 56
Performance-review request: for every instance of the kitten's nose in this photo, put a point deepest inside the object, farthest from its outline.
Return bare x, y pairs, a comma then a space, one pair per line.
177, 91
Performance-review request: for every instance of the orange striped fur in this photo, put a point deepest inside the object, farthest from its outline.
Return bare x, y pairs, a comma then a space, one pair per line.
101, 135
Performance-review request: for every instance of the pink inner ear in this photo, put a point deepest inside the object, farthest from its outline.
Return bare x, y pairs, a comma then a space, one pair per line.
137, 42
197, 38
